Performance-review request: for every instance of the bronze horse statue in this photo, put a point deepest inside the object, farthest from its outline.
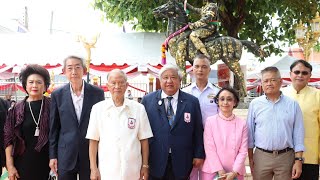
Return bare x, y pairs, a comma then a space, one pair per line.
226, 48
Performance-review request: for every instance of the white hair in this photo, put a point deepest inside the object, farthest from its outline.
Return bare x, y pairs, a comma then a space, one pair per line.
117, 71
170, 66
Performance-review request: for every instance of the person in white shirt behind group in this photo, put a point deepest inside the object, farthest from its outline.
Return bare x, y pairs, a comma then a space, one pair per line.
205, 92
119, 130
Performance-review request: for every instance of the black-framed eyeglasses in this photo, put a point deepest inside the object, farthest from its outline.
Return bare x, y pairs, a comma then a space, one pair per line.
297, 72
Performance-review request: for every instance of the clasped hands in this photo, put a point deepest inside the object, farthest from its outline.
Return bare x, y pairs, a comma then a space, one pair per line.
227, 176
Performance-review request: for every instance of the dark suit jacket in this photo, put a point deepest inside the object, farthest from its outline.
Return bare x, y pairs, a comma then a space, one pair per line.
3, 113
67, 140
185, 138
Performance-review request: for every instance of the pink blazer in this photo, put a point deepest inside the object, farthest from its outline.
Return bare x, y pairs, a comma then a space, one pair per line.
226, 145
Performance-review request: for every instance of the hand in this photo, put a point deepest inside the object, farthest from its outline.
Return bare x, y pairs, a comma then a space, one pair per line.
251, 164
53, 164
296, 169
231, 175
95, 174
197, 163
13, 173
222, 173
144, 173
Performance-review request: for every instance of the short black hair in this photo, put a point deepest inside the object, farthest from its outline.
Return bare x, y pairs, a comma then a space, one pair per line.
34, 69
230, 89
301, 61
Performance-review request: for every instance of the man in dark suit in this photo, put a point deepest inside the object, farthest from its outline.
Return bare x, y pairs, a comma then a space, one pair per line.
69, 118
175, 119
3, 114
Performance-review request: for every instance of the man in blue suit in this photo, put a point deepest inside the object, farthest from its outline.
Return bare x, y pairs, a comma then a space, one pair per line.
69, 118
177, 142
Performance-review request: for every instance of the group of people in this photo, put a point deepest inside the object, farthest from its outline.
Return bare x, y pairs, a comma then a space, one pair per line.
172, 134
43, 134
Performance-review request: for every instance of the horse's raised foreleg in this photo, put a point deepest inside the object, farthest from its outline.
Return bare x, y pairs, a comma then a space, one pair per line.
235, 67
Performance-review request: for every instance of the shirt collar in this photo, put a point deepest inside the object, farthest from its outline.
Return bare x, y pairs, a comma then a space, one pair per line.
82, 90
175, 96
303, 90
109, 103
279, 98
209, 85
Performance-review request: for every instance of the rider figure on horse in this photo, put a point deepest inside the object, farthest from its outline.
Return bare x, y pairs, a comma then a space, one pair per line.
205, 26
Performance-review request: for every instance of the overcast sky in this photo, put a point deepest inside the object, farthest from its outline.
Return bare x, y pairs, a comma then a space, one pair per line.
71, 16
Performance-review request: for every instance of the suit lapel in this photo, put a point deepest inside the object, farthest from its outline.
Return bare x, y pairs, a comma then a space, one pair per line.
70, 102
180, 109
85, 103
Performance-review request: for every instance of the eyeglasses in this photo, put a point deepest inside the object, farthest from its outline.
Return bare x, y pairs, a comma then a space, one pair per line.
225, 99
297, 72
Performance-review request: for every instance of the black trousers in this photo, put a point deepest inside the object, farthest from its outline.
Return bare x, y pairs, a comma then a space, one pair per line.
82, 171
168, 174
309, 172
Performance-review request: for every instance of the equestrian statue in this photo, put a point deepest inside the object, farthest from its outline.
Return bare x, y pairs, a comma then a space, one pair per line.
185, 40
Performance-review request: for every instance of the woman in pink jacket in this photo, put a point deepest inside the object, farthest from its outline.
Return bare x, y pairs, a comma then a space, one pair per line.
225, 140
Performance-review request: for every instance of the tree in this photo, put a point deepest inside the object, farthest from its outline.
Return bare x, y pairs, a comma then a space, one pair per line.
243, 19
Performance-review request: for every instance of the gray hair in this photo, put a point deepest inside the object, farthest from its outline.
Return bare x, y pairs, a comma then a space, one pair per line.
170, 66
117, 71
271, 69
74, 57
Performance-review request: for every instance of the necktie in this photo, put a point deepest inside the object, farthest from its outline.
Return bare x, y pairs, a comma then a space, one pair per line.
170, 113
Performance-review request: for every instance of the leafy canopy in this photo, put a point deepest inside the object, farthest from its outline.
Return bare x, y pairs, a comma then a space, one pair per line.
265, 22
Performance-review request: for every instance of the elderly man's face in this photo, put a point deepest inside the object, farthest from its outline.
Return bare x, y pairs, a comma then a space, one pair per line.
117, 84
170, 82
74, 70
271, 83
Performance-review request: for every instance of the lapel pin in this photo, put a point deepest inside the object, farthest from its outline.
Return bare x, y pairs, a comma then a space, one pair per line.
160, 102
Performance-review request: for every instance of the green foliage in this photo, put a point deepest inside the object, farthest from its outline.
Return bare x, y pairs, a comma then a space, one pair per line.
265, 22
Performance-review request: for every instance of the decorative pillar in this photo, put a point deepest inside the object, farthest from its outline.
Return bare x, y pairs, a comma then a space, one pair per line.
95, 81
151, 78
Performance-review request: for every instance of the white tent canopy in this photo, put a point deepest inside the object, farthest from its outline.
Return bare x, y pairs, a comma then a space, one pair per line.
130, 48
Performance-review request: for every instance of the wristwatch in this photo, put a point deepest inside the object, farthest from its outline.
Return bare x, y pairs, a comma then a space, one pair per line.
299, 159
145, 166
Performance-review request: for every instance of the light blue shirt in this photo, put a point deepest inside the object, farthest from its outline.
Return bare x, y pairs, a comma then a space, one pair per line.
207, 105
275, 125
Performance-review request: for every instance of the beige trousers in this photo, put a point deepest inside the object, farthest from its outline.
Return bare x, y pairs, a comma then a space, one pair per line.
268, 165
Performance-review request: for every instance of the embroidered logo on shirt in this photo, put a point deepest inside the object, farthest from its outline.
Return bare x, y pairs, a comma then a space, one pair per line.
131, 123
187, 117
